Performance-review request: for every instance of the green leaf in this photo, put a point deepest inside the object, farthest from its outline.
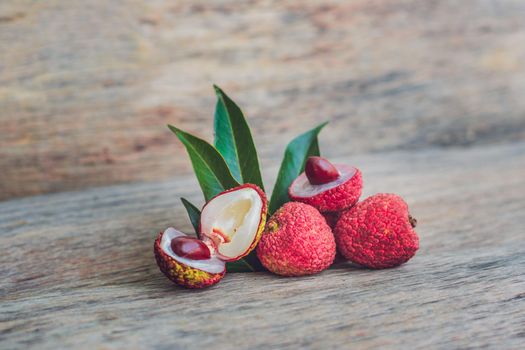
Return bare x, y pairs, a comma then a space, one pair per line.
239, 266
193, 212
249, 263
295, 156
209, 166
233, 140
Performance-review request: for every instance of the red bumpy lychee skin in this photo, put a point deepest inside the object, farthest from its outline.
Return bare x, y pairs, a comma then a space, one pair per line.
297, 241
322, 190
377, 233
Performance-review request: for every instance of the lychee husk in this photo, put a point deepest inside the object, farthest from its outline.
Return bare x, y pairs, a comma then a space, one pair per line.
331, 197
297, 241
183, 274
230, 227
249, 214
377, 233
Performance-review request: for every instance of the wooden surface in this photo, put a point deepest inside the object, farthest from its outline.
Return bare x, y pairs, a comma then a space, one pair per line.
77, 269
87, 89
425, 97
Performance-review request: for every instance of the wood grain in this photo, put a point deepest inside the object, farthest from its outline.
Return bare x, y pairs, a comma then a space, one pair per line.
77, 269
85, 90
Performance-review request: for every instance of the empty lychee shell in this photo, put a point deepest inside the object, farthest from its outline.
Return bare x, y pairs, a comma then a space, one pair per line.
333, 196
233, 221
196, 267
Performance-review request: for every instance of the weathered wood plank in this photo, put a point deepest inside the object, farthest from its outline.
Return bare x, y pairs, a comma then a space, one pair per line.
77, 269
86, 89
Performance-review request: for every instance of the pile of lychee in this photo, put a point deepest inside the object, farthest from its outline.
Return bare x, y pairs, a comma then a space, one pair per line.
300, 238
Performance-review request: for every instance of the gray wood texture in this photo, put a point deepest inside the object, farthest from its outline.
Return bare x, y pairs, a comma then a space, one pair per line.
425, 97
85, 90
77, 269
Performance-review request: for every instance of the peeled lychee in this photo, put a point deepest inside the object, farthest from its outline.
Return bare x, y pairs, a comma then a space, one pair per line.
231, 225
183, 270
378, 232
327, 187
296, 241
233, 221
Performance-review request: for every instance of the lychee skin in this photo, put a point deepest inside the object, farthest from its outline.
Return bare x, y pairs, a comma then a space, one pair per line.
335, 199
183, 275
297, 241
377, 233
262, 222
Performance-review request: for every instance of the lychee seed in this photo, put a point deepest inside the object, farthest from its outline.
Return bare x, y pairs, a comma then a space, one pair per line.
320, 171
190, 248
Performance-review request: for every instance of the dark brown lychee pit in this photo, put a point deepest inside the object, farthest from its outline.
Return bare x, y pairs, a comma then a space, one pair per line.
320, 171
190, 248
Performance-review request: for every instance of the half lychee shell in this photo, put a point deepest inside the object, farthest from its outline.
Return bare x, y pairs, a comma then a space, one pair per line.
231, 225
233, 221
195, 269
333, 196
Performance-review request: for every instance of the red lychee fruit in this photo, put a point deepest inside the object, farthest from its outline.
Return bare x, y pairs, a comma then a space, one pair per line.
297, 241
327, 187
377, 233
231, 225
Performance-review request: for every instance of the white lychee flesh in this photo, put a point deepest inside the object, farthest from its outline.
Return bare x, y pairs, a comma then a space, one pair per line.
301, 187
232, 221
211, 265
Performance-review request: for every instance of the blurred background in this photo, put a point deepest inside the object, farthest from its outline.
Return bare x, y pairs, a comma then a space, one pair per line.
87, 87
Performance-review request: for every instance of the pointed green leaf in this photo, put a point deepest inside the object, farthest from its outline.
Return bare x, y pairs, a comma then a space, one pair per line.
239, 266
233, 140
193, 212
209, 166
249, 263
295, 156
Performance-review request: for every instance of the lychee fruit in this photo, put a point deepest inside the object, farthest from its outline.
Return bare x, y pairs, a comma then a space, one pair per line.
327, 187
378, 232
233, 221
231, 225
198, 268
297, 241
